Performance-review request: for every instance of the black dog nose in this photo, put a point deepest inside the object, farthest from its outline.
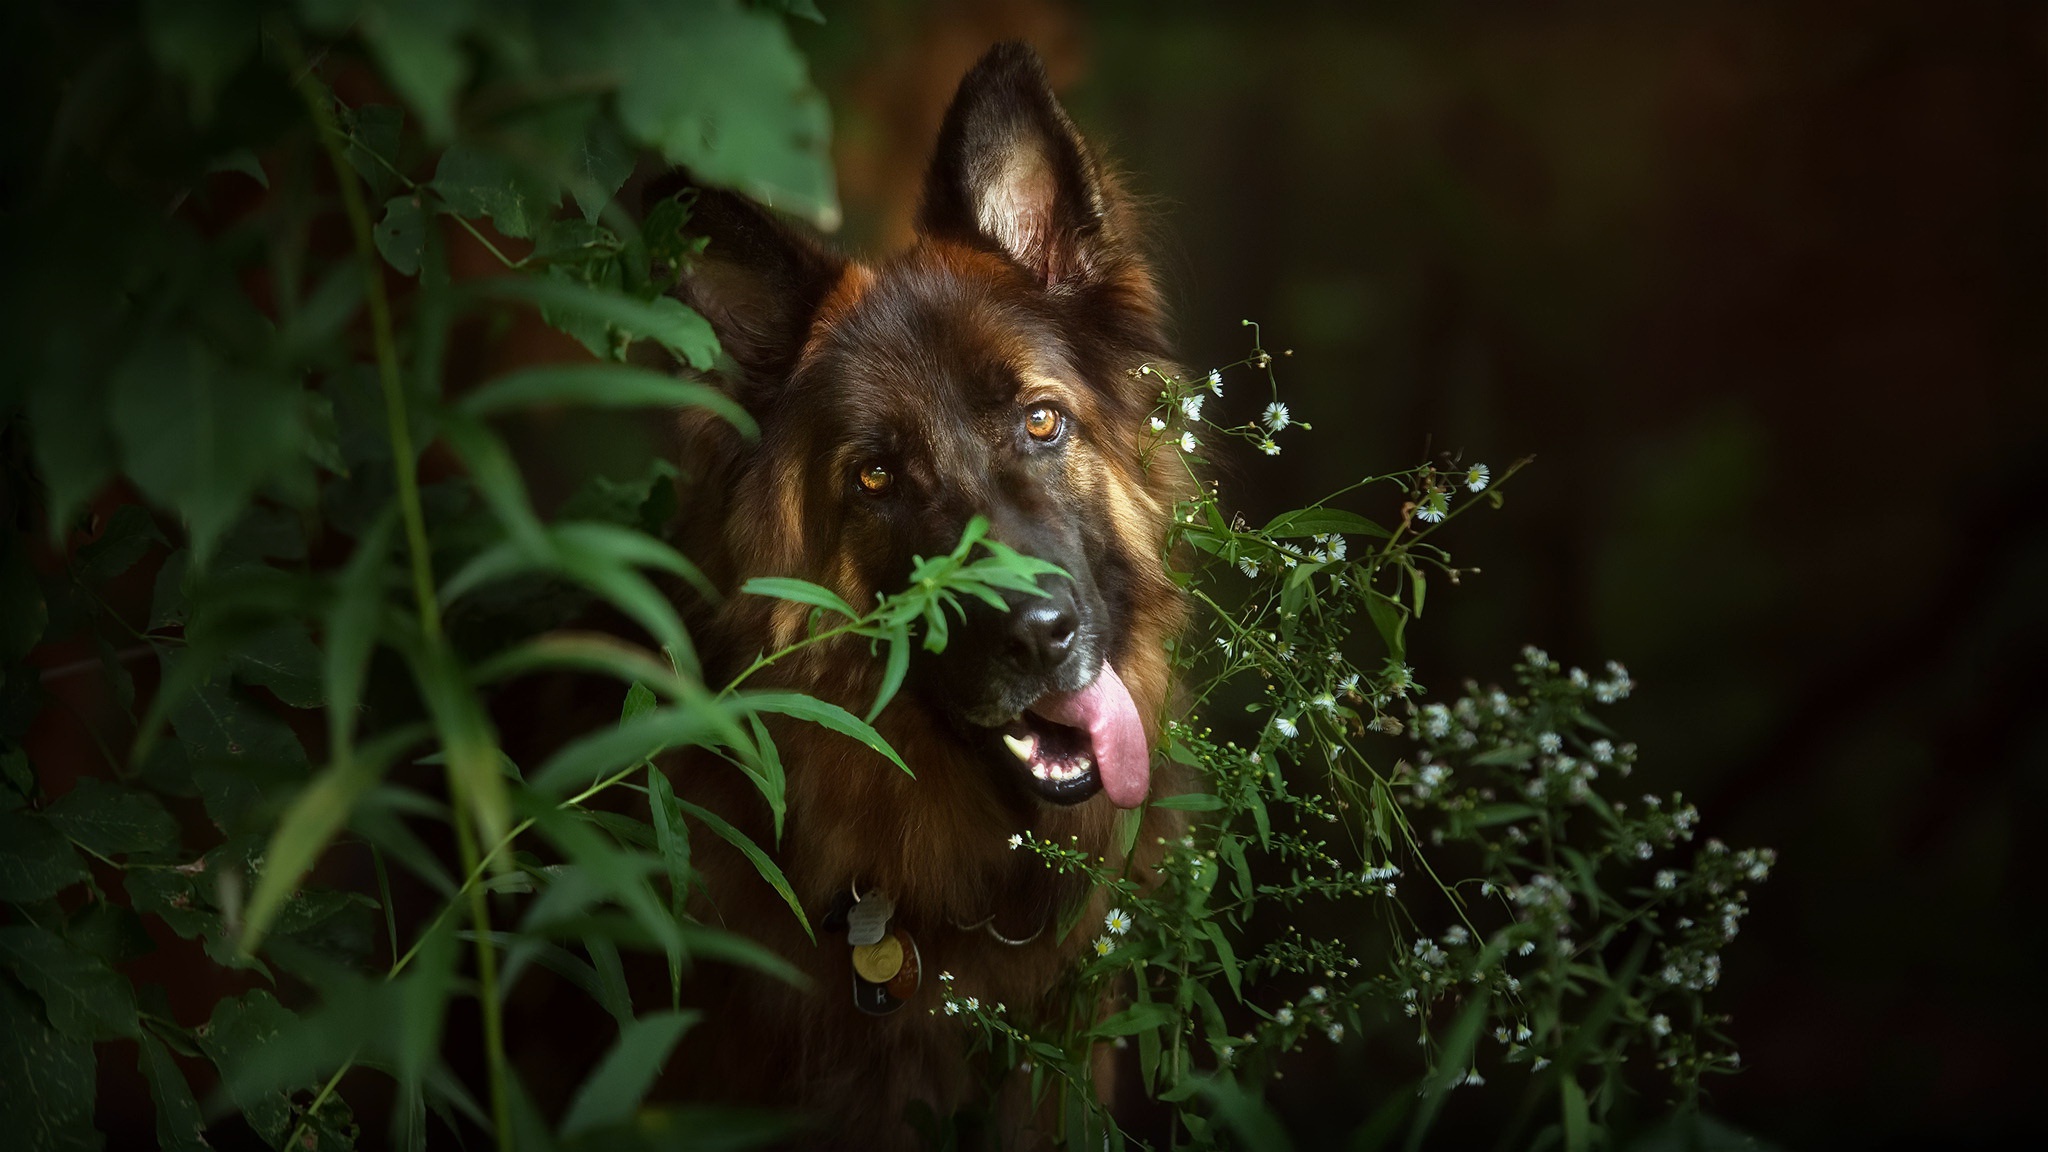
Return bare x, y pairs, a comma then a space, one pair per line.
1042, 633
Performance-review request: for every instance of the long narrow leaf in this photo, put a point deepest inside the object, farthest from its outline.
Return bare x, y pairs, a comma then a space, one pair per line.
763, 864
602, 386
827, 714
704, 723
615, 1088
665, 320
583, 652
310, 822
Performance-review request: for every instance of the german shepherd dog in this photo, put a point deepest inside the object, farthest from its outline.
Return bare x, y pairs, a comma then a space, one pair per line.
990, 370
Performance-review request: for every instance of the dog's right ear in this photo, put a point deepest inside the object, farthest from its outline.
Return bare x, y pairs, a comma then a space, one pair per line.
759, 281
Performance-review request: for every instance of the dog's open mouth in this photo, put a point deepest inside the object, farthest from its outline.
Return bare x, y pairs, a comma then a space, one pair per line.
1073, 744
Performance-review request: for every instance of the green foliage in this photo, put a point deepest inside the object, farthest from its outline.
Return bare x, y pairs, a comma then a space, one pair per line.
1548, 932
233, 295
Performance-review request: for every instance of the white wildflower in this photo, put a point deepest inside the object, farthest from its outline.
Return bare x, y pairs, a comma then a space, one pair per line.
1476, 477
1187, 442
1191, 406
1158, 425
1275, 417
1016, 840
1118, 921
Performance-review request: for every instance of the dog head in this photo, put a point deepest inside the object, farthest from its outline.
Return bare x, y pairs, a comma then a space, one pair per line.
990, 370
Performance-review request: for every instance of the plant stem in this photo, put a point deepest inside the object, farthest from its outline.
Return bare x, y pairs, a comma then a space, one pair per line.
487, 984
403, 456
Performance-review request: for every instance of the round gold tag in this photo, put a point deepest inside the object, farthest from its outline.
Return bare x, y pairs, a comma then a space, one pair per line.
879, 961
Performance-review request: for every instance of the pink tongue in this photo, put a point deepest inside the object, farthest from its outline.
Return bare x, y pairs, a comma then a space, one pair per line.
1106, 712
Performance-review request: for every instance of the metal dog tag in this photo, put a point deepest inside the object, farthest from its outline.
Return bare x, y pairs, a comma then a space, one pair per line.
878, 992
868, 921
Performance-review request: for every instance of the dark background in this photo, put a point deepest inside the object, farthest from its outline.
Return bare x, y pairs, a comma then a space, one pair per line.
1763, 288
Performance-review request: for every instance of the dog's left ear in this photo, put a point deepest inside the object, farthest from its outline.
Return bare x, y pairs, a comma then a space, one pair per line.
1010, 171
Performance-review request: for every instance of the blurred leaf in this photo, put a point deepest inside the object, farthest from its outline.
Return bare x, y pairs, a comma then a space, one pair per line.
86, 999
615, 1087
1244, 1113
111, 820
284, 660
401, 235
618, 874
700, 723
422, 1005
46, 1080
180, 1126
351, 631
602, 165
476, 183
243, 757
204, 41
1189, 802
199, 435
467, 740
320, 810
721, 90
1452, 1061
601, 386
128, 534
417, 43
663, 319
374, 132
36, 862
672, 840
802, 9
583, 651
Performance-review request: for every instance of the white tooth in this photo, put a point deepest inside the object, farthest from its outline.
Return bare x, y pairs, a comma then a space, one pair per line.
1039, 770
1022, 747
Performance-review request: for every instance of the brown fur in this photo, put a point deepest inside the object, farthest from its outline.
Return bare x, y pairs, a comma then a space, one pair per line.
1023, 288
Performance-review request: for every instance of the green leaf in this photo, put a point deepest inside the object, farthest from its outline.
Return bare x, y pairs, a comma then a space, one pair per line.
722, 91
111, 820
1225, 955
1320, 521
663, 319
401, 235
47, 1080
199, 435
801, 591
1139, 1017
476, 183
602, 165
243, 757
1578, 1136
351, 631
36, 862
1452, 1061
204, 41
466, 738
763, 863
423, 1004
179, 1123
417, 43
237, 1029
128, 534
319, 811
284, 660
704, 723
585, 652
613, 872
820, 712
374, 133
616, 1086
1390, 619
602, 386
86, 999
894, 669
1245, 1114
1189, 802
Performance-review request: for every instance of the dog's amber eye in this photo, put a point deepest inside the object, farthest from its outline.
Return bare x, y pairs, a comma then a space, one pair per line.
1043, 422
875, 478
